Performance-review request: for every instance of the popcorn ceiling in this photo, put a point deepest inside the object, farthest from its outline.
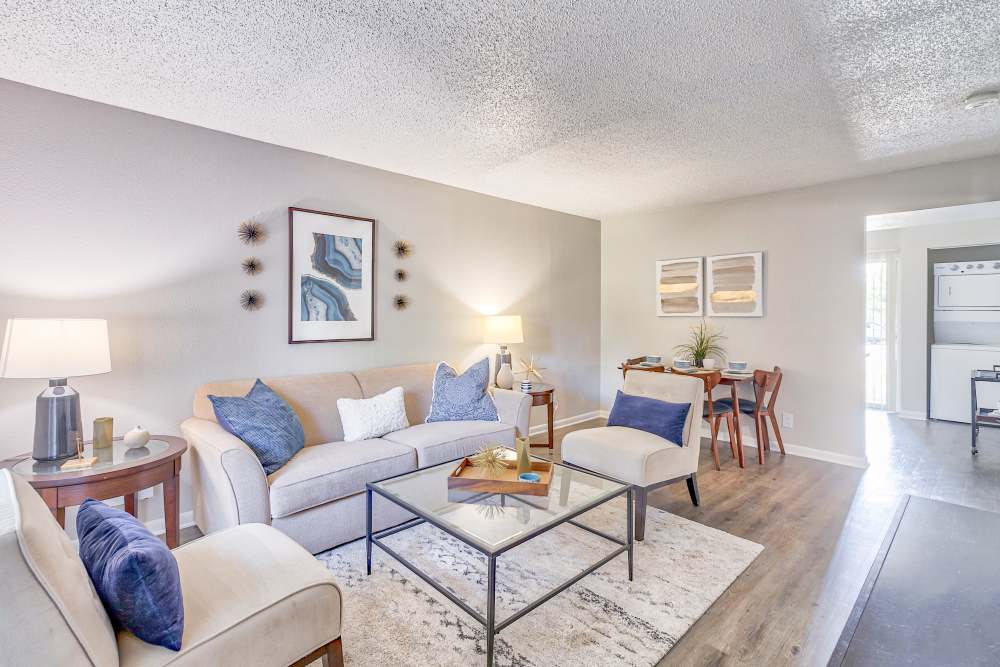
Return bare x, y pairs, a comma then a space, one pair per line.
596, 108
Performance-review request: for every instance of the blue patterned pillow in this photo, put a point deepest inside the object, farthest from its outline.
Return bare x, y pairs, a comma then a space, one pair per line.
134, 573
458, 398
264, 421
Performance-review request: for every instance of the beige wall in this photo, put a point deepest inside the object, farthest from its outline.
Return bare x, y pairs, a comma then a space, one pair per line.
911, 245
814, 243
110, 213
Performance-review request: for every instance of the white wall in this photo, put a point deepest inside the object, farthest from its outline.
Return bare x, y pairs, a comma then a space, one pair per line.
814, 244
911, 244
110, 213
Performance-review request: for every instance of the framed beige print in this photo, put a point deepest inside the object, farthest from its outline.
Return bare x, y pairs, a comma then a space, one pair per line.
735, 285
679, 287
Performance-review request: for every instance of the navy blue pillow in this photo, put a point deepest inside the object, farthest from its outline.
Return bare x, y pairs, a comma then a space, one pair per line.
264, 421
651, 415
134, 573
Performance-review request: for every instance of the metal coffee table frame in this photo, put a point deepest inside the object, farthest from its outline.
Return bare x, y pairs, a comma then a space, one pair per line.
489, 621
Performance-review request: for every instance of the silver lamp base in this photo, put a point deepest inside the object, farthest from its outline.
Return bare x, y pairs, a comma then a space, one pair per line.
57, 422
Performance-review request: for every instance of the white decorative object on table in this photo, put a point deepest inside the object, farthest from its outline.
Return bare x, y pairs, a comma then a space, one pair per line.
366, 418
137, 437
503, 330
526, 385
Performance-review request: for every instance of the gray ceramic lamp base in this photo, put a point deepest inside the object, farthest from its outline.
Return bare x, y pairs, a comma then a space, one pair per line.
57, 422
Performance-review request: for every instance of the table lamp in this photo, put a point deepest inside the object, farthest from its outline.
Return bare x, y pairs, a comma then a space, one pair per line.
55, 349
503, 330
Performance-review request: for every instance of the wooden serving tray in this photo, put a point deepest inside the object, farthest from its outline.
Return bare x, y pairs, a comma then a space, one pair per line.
467, 477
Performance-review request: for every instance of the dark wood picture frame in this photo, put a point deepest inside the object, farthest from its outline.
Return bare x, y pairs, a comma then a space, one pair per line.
291, 273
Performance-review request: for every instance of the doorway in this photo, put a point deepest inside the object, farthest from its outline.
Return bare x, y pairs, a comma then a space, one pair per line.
881, 297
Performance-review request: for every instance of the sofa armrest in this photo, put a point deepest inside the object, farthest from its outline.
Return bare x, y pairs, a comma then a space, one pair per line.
514, 408
228, 484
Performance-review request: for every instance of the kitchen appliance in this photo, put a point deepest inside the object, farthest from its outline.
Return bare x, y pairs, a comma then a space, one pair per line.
966, 335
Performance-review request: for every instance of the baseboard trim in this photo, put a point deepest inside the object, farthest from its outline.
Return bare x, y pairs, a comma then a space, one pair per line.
797, 450
159, 526
542, 429
912, 414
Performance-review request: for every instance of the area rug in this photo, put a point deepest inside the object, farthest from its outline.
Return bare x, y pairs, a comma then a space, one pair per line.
394, 618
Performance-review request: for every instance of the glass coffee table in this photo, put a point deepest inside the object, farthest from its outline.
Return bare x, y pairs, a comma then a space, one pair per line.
425, 494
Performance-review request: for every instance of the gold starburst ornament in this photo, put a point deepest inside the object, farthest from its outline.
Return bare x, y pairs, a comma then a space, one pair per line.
528, 369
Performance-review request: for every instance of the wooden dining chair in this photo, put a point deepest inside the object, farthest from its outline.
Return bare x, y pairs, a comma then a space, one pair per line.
714, 412
765, 388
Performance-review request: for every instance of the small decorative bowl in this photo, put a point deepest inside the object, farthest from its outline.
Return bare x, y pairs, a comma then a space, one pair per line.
532, 477
683, 364
738, 366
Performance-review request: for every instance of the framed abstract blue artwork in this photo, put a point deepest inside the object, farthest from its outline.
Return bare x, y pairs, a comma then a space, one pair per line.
331, 287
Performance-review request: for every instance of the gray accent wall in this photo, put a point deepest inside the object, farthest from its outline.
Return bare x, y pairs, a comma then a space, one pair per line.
116, 214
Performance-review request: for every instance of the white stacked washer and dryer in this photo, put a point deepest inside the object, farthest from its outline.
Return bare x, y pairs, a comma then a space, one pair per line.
966, 336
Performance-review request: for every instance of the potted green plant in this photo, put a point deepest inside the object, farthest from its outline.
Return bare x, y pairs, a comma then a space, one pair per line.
704, 342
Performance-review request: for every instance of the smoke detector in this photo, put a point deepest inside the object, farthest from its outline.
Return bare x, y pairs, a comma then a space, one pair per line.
982, 99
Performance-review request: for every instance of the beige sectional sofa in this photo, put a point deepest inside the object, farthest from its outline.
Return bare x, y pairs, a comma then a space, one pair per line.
318, 497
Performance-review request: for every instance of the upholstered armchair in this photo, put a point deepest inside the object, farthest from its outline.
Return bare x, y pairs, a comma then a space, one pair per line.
252, 596
643, 459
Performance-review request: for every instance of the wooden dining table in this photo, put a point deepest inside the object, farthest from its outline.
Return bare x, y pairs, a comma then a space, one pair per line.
733, 380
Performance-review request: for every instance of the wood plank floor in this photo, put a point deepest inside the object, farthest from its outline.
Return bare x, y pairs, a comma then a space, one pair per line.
821, 525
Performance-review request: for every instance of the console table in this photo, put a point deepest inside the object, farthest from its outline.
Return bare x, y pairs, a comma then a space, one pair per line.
119, 471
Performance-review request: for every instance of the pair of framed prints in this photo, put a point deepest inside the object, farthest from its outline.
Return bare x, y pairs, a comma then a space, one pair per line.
719, 286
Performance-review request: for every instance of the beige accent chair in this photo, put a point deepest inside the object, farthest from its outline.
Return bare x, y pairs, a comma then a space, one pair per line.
318, 497
251, 597
642, 459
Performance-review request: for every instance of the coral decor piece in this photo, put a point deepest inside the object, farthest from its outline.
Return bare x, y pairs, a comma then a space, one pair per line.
251, 299
490, 459
251, 266
402, 249
401, 302
400, 275
251, 232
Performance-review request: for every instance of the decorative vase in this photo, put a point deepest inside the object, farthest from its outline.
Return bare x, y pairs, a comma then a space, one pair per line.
137, 437
523, 457
505, 377
526, 385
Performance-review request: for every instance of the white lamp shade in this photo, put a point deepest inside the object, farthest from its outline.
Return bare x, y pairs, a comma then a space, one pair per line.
54, 348
503, 329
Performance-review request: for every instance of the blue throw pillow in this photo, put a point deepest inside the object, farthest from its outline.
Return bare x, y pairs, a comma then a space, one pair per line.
134, 573
651, 415
264, 421
457, 398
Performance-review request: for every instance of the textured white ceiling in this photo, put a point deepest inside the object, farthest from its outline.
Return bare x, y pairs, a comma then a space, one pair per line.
596, 108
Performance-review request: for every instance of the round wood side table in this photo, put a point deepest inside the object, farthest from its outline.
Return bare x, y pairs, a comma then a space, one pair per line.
118, 471
544, 394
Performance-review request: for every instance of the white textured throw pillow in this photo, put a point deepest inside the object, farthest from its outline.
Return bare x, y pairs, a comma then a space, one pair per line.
365, 418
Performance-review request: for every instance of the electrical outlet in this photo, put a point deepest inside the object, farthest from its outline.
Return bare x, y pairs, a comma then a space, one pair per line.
787, 420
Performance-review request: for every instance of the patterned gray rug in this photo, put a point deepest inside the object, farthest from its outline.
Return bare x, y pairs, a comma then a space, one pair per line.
394, 618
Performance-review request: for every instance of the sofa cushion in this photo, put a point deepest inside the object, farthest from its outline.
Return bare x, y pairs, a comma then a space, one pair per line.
134, 573
313, 397
324, 473
415, 379
437, 442
252, 596
462, 397
264, 421
626, 454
